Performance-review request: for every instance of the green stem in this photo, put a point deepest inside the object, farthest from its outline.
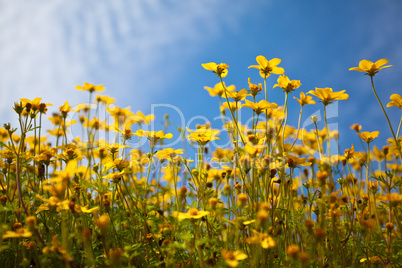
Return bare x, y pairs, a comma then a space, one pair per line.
386, 116
230, 109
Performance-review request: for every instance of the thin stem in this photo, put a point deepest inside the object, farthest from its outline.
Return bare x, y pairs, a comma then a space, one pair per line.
386, 116
230, 109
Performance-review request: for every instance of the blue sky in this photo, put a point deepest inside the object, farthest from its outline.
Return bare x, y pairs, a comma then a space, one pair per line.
150, 52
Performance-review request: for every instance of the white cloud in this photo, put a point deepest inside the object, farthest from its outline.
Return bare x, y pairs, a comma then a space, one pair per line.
48, 47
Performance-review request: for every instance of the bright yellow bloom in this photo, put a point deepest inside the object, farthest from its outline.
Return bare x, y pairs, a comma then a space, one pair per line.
90, 87
220, 70
304, 100
265, 240
203, 135
36, 104
396, 100
232, 258
19, 233
218, 89
369, 67
169, 153
52, 203
254, 89
267, 67
350, 153
193, 213
287, 85
293, 161
233, 106
65, 108
368, 136
260, 106
238, 95
115, 176
104, 99
153, 135
327, 96
356, 127
394, 198
140, 118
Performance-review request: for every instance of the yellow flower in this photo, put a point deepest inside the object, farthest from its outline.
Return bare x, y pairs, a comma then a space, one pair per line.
169, 153
265, 240
287, 85
368, 136
192, 213
238, 95
396, 100
233, 106
356, 127
393, 198
304, 100
52, 203
104, 99
19, 233
203, 135
260, 106
153, 135
254, 89
350, 153
218, 89
326, 95
90, 87
232, 258
369, 67
65, 108
220, 70
293, 161
115, 176
267, 67
140, 118
36, 104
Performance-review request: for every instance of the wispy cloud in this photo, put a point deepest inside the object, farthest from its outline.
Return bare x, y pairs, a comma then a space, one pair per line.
47, 47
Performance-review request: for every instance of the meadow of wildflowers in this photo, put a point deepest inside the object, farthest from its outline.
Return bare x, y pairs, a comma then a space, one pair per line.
274, 197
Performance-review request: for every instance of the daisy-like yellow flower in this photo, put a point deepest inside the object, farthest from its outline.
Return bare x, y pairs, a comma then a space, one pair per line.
169, 153
293, 161
356, 127
153, 135
260, 106
265, 240
218, 89
371, 68
52, 203
254, 89
19, 233
90, 87
233, 107
287, 85
65, 109
267, 67
327, 96
104, 99
232, 258
218, 69
396, 100
203, 135
304, 100
36, 104
115, 176
192, 213
238, 95
368, 136
140, 118
394, 198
